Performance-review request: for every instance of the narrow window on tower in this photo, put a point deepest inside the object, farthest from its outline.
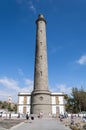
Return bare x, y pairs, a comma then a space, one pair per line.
41, 57
41, 73
41, 43
41, 31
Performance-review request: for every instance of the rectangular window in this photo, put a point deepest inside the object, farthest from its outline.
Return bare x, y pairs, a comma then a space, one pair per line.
41, 57
24, 109
57, 100
25, 99
41, 31
41, 43
41, 73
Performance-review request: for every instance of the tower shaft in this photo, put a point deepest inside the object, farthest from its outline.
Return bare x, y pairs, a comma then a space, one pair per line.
41, 68
41, 97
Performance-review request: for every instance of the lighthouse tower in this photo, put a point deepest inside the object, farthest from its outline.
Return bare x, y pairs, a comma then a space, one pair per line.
41, 96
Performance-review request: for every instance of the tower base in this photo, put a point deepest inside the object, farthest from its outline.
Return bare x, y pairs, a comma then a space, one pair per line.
41, 103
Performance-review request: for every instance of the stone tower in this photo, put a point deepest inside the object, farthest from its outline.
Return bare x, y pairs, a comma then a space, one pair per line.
41, 96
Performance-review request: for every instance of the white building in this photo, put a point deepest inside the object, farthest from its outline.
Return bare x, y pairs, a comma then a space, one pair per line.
57, 102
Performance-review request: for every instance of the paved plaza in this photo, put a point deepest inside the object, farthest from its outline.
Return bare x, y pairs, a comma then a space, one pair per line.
39, 124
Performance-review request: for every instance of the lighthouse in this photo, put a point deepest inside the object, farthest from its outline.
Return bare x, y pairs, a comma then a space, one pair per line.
41, 96
41, 100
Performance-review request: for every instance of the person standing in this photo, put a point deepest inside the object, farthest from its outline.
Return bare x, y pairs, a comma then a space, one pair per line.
27, 116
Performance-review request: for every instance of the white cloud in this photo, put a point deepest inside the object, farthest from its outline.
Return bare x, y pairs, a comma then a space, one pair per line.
29, 82
20, 71
62, 88
9, 83
28, 86
82, 60
4, 96
4, 93
56, 49
32, 6
11, 87
28, 4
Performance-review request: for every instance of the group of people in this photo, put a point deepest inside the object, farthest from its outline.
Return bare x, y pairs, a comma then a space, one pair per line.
27, 116
62, 116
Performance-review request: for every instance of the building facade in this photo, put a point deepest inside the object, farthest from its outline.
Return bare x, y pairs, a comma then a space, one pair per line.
57, 103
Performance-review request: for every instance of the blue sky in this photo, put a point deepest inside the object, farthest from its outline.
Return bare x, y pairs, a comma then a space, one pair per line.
66, 44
